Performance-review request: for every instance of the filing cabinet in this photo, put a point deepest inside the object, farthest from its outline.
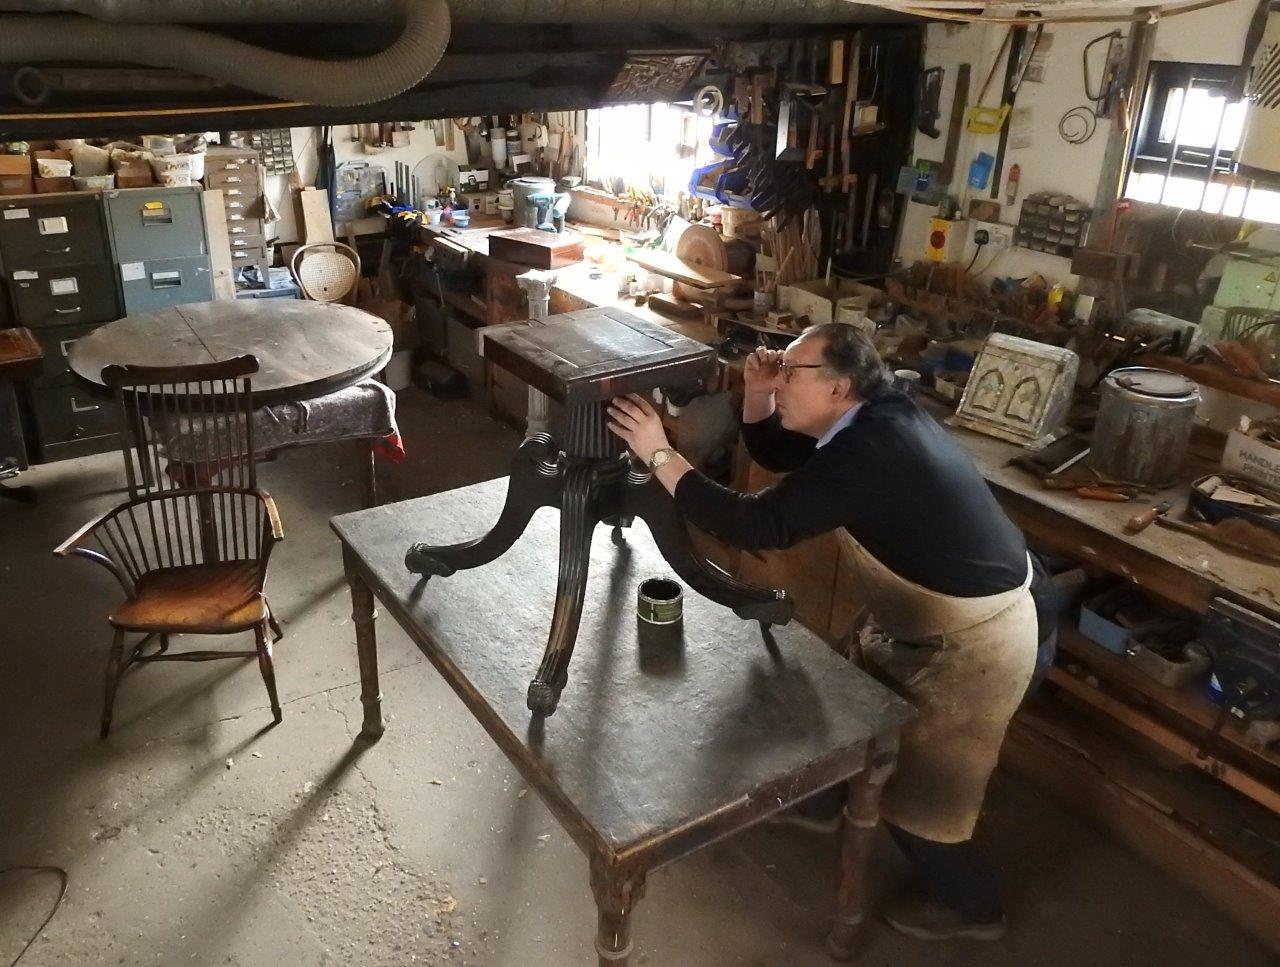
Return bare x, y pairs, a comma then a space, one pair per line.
158, 240
236, 172
55, 251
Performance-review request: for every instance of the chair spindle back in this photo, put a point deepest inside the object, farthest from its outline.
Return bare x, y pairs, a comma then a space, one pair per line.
186, 426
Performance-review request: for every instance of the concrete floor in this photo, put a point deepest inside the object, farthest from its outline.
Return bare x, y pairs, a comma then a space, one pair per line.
196, 834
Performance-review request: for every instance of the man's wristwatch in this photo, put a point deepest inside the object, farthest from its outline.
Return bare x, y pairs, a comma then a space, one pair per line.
661, 457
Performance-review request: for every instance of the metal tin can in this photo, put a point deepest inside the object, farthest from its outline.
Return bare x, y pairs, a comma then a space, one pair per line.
1144, 425
660, 601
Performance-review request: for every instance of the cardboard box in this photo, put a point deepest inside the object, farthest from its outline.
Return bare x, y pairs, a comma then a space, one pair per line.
816, 299
399, 316
15, 175
1253, 458
43, 185
132, 172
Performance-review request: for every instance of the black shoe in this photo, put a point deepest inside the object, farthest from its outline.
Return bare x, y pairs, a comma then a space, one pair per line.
925, 918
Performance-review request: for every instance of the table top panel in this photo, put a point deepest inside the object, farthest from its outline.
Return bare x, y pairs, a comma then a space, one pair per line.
595, 354
654, 736
304, 349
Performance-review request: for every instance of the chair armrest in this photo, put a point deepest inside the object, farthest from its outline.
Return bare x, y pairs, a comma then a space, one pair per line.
273, 515
68, 547
71, 547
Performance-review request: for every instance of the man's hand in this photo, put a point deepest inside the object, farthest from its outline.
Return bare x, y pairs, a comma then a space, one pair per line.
761, 371
635, 420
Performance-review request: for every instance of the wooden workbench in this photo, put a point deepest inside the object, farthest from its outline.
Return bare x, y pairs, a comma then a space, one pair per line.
1177, 567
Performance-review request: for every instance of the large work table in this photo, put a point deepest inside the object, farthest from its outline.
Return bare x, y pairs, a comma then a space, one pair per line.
668, 738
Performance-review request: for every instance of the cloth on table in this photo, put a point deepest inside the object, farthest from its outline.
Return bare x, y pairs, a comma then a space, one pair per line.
364, 411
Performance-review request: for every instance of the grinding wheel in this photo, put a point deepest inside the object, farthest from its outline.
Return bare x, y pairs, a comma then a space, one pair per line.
700, 245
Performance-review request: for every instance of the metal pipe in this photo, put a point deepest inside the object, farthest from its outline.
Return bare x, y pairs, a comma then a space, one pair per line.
467, 11
218, 11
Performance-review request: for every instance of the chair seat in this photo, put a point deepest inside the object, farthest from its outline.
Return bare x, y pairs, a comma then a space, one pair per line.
199, 598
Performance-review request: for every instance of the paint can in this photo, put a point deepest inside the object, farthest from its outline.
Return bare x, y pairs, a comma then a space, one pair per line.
660, 601
906, 381
1144, 424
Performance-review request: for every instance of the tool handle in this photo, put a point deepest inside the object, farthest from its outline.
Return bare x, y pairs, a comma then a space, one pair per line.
1140, 522
1060, 483
1099, 493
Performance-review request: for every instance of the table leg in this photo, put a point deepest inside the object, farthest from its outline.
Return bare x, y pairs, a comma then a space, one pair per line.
536, 481
369, 462
616, 892
363, 615
862, 816
577, 522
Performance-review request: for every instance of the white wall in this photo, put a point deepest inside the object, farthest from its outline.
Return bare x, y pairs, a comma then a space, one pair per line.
280, 190
1049, 163
1211, 36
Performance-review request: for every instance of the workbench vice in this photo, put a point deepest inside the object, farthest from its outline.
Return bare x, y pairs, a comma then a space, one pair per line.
583, 360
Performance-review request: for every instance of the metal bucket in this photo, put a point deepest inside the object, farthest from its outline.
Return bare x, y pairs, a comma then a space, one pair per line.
1144, 424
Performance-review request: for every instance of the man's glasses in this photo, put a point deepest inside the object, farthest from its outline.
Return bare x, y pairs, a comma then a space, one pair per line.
787, 369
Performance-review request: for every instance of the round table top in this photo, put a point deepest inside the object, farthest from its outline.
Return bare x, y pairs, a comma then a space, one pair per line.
304, 349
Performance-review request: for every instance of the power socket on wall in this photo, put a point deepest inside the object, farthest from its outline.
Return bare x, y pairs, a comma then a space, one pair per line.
992, 234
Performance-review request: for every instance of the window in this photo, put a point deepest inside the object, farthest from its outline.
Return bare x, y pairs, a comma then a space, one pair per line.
651, 147
1184, 153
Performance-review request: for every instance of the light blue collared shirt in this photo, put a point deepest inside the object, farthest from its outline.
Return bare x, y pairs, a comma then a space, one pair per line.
840, 424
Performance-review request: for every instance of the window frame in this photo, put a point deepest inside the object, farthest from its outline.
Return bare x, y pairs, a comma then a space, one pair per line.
1149, 155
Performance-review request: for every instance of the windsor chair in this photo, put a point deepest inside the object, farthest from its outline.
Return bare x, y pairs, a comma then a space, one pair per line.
190, 556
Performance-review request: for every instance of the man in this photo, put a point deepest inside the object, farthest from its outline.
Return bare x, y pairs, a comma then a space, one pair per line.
945, 573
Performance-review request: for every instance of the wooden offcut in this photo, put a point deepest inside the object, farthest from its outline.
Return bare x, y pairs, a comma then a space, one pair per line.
536, 248
698, 276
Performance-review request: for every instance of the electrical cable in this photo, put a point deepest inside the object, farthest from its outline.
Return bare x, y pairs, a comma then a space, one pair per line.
976, 252
62, 892
1077, 125
995, 257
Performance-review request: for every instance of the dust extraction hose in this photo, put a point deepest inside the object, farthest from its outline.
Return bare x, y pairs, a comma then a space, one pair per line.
28, 39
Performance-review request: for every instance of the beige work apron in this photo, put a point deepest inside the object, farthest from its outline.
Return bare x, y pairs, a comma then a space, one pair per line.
965, 664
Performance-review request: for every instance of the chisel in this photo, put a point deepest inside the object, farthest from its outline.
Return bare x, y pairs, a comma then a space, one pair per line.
1140, 522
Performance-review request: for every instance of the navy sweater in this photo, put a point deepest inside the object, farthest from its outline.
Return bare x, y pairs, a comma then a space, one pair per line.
894, 478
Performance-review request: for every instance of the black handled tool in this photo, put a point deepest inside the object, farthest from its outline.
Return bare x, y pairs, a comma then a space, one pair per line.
929, 111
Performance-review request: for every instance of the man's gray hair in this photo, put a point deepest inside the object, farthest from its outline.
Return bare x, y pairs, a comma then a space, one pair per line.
848, 352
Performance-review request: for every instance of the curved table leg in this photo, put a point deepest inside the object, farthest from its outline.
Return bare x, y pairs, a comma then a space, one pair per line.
535, 482
577, 521
648, 501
